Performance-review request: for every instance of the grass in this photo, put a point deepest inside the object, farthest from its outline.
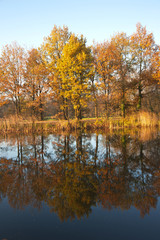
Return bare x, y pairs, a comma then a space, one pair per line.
15, 124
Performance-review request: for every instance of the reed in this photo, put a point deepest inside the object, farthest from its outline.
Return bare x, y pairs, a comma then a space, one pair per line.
14, 124
145, 119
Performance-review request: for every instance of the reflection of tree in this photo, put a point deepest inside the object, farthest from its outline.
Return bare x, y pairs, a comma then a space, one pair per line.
75, 188
74, 180
77, 171
132, 175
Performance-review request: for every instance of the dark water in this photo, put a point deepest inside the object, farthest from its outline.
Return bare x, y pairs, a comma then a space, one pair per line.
80, 186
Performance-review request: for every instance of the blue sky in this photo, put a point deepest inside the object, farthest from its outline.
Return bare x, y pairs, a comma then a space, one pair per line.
29, 21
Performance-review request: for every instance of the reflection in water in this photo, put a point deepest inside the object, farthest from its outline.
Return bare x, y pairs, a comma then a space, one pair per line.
73, 173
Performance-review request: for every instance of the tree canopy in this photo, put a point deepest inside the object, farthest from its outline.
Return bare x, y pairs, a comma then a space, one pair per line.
65, 77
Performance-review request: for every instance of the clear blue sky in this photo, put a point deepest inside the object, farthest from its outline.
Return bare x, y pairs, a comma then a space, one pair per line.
29, 21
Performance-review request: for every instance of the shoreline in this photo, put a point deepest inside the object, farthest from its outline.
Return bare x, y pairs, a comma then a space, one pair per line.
15, 125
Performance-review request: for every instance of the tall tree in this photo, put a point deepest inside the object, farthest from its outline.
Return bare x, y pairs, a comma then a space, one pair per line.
156, 64
76, 69
123, 62
143, 48
52, 49
36, 83
12, 64
105, 56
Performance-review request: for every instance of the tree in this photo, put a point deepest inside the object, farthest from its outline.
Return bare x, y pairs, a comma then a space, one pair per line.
123, 68
75, 68
143, 48
105, 57
36, 82
51, 52
12, 64
94, 91
156, 65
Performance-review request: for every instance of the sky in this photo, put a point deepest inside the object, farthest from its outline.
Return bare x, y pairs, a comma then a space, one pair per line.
29, 21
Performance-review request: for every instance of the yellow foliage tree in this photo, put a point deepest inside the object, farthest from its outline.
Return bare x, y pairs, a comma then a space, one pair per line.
75, 68
51, 53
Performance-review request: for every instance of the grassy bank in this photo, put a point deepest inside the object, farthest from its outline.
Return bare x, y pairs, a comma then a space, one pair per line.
142, 119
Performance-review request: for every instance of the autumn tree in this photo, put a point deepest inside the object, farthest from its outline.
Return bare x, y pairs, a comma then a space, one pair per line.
122, 73
12, 64
94, 92
76, 68
36, 83
67, 77
51, 52
142, 48
156, 65
105, 56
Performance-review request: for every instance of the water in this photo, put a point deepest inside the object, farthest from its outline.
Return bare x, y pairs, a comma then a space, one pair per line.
80, 186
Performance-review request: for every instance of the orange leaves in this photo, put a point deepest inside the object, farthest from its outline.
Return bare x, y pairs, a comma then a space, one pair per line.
36, 82
12, 71
66, 73
104, 59
156, 65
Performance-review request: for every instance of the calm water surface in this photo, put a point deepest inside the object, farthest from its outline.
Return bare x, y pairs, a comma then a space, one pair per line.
80, 186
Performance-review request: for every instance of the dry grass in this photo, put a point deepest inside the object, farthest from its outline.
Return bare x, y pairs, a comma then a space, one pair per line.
15, 124
145, 119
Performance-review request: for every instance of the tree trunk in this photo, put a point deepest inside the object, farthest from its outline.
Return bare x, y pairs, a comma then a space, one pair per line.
123, 105
140, 89
140, 96
96, 108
